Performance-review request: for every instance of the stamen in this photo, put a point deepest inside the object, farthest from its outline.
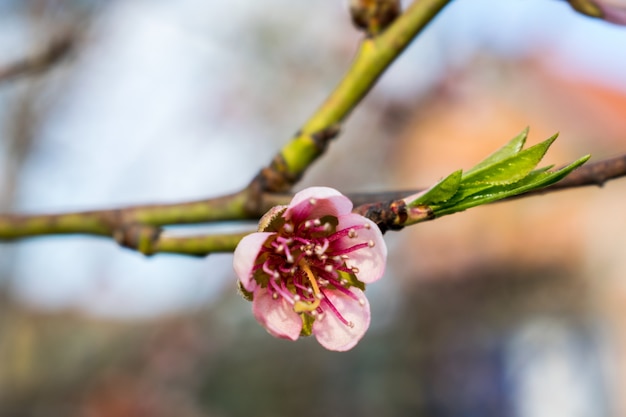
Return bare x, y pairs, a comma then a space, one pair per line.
361, 301
335, 311
312, 201
367, 226
351, 249
355, 269
370, 243
288, 228
344, 290
268, 271
344, 232
328, 268
321, 249
288, 254
283, 293
352, 234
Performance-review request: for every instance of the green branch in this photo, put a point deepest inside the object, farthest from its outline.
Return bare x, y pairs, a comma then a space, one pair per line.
373, 58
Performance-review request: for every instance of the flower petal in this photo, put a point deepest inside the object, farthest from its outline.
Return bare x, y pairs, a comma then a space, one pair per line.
277, 316
326, 202
331, 332
245, 257
614, 14
370, 261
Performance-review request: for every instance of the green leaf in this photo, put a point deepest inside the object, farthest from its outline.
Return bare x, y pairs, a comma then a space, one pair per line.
508, 150
440, 192
536, 179
510, 169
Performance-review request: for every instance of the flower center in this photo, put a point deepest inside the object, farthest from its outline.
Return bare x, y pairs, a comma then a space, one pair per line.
306, 260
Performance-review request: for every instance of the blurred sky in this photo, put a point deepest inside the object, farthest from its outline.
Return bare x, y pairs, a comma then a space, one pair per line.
172, 101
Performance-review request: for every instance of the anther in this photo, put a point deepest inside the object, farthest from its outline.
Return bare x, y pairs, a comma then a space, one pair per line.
317, 222
367, 226
371, 243
288, 228
361, 301
312, 201
275, 296
328, 268
296, 298
350, 324
345, 257
307, 224
352, 234
355, 269
343, 282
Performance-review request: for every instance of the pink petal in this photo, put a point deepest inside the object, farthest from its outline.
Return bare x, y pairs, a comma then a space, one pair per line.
277, 316
369, 261
331, 332
327, 201
614, 14
245, 256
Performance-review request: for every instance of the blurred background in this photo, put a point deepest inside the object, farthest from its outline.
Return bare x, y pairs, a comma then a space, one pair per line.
515, 309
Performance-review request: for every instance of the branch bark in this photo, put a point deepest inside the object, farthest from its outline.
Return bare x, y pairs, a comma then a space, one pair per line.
57, 49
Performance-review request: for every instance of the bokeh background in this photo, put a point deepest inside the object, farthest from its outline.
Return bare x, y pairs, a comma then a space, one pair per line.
515, 309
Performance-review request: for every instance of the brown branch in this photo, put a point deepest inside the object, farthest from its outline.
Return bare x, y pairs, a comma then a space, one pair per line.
388, 211
139, 227
57, 49
596, 173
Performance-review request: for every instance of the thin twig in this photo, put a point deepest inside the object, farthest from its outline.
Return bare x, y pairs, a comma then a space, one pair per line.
57, 49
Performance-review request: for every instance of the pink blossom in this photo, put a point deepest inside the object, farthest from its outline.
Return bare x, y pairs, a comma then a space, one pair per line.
307, 267
613, 11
